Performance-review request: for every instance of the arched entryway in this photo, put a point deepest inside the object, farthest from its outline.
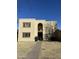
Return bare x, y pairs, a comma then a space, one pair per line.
40, 31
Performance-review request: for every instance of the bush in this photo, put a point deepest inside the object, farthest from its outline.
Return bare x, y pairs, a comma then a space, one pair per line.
56, 36
36, 38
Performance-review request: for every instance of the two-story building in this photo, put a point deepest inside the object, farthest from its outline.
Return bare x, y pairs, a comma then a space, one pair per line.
29, 28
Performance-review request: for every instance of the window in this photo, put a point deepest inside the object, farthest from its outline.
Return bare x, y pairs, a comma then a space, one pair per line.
26, 24
26, 34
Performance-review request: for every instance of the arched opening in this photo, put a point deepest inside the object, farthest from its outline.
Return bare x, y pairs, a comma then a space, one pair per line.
40, 31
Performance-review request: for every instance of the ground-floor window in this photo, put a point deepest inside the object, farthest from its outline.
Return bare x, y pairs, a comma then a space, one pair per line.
26, 34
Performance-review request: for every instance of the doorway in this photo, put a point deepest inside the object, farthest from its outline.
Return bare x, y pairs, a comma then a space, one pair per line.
40, 31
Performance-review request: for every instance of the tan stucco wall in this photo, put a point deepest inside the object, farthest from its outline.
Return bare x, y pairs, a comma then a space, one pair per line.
29, 29
33, 29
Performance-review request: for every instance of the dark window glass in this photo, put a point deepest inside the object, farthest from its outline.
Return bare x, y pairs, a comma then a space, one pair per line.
26, 34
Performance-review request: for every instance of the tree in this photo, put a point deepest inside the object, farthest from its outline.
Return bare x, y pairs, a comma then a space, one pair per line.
57, 34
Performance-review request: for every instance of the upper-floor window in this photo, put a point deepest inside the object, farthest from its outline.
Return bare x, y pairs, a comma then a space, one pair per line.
26, 24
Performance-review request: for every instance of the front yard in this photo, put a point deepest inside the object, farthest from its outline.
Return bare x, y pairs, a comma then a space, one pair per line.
23, 48
49, 50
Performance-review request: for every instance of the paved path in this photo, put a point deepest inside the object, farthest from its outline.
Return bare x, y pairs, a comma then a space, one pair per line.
34, 54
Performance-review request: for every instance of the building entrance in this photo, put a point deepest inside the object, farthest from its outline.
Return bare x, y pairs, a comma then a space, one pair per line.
40, 31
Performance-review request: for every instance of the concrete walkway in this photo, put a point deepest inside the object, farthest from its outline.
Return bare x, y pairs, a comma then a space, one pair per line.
34, 54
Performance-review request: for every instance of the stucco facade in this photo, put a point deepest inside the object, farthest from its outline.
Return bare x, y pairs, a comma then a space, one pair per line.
31, 31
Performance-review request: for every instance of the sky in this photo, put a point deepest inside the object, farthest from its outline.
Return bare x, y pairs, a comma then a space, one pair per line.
40, 9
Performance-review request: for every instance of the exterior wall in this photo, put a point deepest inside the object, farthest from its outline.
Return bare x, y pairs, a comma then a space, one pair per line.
33, 29
53, 24
26, 29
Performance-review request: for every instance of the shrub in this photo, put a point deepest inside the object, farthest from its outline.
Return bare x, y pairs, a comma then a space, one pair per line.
56, 36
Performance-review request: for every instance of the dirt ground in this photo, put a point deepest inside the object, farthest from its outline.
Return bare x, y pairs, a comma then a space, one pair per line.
23, 48
48, 50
